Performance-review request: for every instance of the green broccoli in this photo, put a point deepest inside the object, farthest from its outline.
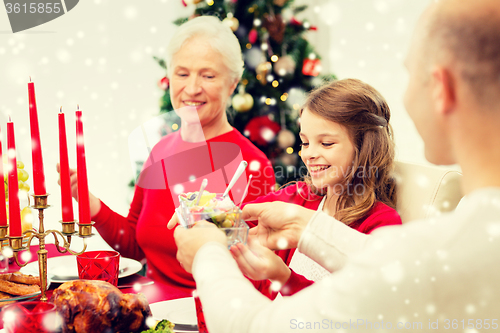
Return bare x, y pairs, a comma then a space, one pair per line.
163, 326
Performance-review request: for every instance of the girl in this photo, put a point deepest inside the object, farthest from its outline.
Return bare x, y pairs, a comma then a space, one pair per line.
348, 150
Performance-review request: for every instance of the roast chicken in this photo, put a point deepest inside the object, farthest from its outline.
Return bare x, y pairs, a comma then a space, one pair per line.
99, 307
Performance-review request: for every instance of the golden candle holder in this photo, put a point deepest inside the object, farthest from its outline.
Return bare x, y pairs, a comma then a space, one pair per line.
68, 230
3, 232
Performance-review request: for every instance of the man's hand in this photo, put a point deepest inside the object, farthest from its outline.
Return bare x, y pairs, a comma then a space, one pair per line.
189, 241
280, 224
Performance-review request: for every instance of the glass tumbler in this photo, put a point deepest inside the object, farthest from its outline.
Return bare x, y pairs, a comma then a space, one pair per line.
99, 265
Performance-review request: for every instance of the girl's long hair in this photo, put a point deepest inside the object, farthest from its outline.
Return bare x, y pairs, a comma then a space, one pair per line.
363, 111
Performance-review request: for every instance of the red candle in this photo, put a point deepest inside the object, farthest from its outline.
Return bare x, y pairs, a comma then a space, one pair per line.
14, 207
36, 147
83, 186
3, 208
66, 200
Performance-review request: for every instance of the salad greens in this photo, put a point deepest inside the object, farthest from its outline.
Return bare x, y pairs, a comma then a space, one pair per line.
163, 326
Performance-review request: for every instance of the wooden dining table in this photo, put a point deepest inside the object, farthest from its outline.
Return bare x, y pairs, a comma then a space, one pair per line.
155, 292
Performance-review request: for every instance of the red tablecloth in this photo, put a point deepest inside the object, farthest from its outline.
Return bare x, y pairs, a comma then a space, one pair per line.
154, 293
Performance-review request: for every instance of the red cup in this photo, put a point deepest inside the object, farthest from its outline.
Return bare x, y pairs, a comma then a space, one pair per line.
27, 317
99, 265
202, 327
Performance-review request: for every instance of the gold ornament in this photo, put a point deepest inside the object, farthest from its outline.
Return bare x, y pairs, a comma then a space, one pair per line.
284, 66
232, 22
242, 101
286, 139
262, 70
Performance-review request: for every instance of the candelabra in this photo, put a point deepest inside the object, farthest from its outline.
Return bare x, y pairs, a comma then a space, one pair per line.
68, 230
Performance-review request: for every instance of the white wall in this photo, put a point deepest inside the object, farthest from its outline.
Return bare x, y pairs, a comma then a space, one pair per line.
99, 55
368, 40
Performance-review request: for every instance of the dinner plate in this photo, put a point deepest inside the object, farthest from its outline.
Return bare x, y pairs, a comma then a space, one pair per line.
64, 268
25, 297
20, 298
178, 311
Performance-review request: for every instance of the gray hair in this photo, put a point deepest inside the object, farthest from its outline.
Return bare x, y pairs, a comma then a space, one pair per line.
220, 36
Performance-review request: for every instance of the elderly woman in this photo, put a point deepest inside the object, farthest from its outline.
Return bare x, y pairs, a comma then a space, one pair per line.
204, 66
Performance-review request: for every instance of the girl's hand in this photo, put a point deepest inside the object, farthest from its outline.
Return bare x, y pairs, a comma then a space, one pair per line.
260, 263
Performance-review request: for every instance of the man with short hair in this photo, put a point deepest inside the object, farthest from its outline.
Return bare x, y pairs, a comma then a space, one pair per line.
439, 274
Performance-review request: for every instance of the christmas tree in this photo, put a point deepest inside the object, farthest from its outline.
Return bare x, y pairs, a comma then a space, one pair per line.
280, 68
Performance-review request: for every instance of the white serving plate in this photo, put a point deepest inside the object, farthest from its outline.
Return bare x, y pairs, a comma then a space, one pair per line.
178, 311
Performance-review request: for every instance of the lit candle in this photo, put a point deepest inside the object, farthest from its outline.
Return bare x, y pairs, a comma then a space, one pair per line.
66, 200
14, 207
36, 147
3, 208
83, 186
